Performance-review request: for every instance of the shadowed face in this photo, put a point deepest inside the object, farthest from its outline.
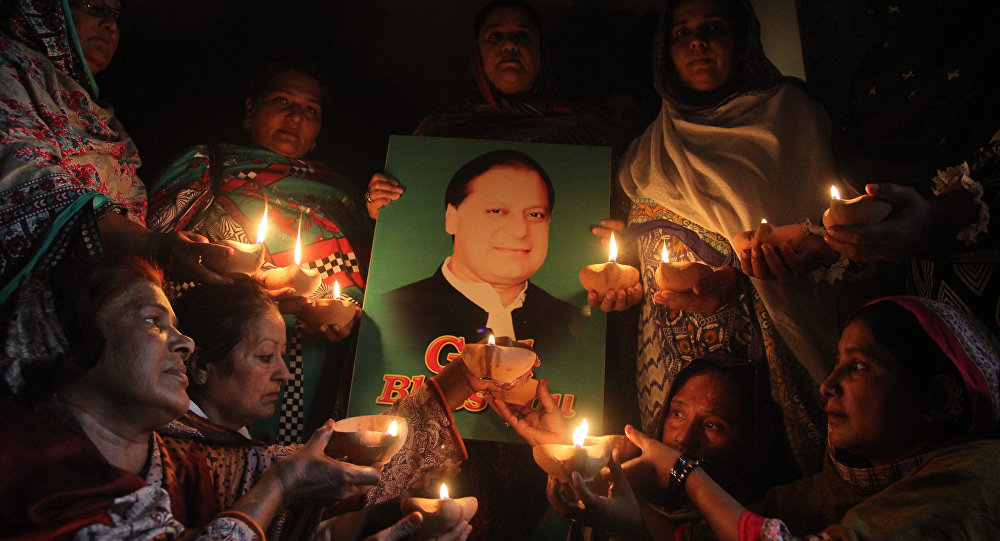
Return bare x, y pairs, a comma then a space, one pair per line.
142, 366
96, 24
501, 228
702, 45
287, 118
249, 391
707, 421
872, 411
511, 50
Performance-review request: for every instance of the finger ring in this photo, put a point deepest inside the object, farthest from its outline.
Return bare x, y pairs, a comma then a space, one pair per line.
507, 425
368, 197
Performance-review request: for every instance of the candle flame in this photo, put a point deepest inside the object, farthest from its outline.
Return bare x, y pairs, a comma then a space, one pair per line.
393, 429
491, 341
298, 241
336, 290
763, 220
580, 434
664, 254
614, 249
262, 228
444, 491
834, 192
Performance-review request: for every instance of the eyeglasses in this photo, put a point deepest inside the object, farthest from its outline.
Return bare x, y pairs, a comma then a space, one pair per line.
102, 11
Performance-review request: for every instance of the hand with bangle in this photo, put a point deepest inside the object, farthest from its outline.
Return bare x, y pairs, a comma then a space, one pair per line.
657, 462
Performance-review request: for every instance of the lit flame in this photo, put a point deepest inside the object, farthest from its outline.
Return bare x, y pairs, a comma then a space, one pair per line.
393, 429
763, 220
262, 228
834, 192
580, 434
298, 241
444, 491
664, 254
614, 249
491, 341
336, 289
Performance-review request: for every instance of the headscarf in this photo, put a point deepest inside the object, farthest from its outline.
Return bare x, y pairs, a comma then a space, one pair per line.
970, 347
543, 81
756, 70
761, 152
47, 27
535, 116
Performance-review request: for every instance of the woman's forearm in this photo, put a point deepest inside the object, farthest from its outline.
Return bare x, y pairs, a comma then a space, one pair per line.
720, 509
123, 236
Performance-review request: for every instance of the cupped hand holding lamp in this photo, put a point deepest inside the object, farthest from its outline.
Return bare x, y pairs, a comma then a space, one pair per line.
710, 288
781, 253
915, 225
614, 300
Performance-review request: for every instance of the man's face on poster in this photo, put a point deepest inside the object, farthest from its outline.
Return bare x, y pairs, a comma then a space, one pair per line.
501, 228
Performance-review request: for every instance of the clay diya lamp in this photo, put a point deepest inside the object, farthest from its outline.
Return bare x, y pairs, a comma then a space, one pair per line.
501, 362
520, 394
336, 311
246, 258
585, 456
440, 514
679, 276
368, 440
303, 281
610, 276
863, 210
769, 234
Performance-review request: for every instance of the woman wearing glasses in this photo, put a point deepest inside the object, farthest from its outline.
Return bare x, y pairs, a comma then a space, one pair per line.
67, 167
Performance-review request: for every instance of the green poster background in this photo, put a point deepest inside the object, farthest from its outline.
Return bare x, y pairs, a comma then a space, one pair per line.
410, 244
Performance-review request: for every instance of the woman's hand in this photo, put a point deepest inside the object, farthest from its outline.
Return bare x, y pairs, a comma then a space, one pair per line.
181, 252
607, 227
382, 190
331, 333
616, 300
459, 383
618, 513
784, 263
710, 293
910, 229
310, 477
654, 464
536, 426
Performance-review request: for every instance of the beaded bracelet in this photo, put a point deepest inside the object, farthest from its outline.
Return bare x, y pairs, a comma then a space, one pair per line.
682, 468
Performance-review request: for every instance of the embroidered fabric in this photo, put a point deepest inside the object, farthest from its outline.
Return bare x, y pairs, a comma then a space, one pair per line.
957, 178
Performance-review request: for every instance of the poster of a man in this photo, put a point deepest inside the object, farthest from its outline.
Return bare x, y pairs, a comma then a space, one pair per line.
498, 209
501, 263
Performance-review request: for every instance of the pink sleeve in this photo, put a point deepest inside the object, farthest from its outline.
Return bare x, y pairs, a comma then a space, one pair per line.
750, 525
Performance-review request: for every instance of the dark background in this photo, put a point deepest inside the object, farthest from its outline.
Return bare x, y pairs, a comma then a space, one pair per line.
179, 75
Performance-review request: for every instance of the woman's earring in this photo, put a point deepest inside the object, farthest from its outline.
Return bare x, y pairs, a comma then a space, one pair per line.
246, 122
313, 147
200, 377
